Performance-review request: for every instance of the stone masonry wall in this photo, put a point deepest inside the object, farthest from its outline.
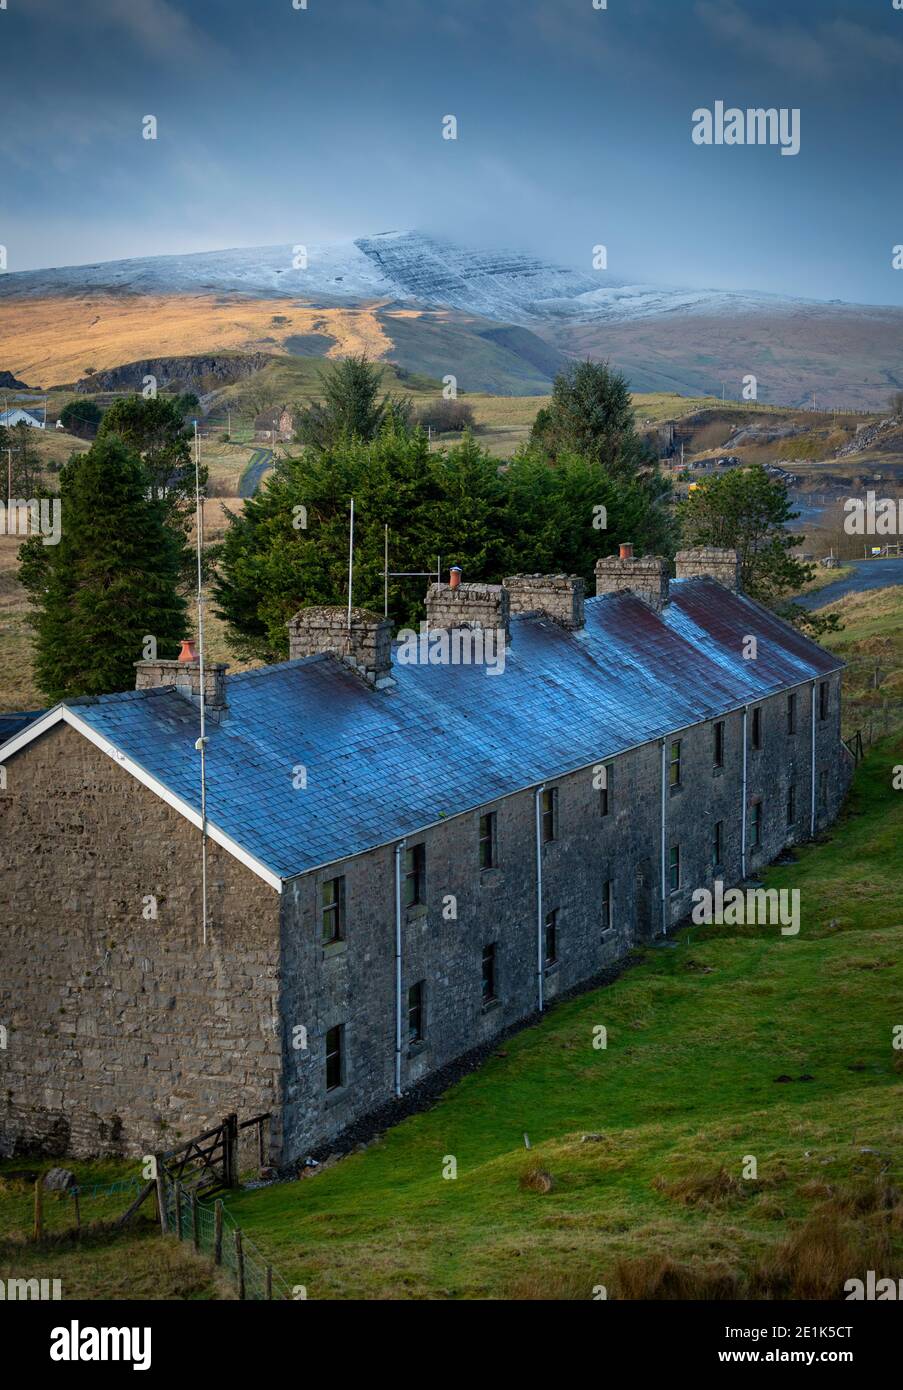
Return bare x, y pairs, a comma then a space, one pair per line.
468, 605
125, 1034
556, 596
723, 565
645, 576
353, 982
367, 647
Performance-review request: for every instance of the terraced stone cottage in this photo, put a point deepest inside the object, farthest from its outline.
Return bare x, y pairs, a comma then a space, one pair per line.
404, 860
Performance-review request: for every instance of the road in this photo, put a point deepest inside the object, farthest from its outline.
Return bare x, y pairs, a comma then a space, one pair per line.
261, 460
867, 574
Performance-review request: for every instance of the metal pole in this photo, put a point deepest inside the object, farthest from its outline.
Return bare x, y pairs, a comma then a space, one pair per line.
386, 575
539, 922
350, 561
201, 744
398, 852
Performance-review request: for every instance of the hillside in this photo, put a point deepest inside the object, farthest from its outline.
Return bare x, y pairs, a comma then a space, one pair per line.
498, 320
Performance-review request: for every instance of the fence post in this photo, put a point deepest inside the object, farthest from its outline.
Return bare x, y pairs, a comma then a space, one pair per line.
39, 1222
269, 1281
195, 1230
78, 1210
239, 1264
218, 1233
161, 1195
178, 1190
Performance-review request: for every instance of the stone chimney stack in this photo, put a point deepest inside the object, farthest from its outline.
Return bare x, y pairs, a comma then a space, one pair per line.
646, 577
184, 675
707, 560
366, 648
556, 596
457, 605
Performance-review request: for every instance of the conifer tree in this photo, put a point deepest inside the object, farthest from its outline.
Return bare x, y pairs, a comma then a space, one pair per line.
110, 583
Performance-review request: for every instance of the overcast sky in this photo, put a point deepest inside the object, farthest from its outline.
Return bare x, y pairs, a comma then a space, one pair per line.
278, 124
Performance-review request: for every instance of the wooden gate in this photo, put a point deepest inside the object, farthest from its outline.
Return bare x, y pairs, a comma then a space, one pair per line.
208, 1163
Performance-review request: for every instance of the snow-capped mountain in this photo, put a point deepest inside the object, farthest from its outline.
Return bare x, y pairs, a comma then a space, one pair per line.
404, 266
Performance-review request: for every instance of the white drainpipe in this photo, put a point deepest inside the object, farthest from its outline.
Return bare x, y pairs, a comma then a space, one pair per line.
539, 922
812, 815
398, 852
743, 805
663, 839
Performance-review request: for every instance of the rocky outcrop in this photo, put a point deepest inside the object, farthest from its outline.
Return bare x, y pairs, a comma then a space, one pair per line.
200, 374
11, 383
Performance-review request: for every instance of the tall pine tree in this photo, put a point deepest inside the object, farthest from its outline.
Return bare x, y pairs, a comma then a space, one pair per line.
111, 582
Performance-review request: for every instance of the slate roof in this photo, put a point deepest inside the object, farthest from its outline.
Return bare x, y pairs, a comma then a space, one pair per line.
451, 738
11, 724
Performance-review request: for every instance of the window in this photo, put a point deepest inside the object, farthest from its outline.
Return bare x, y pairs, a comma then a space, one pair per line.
791, 804
415, 1013
489, 980
757, 727
674, 770
332, 910
414, 875
335, 1065
717, 843
791, 714
487, 840
551, 937
823, 788
674, 868
549, 814
719, 744
755, 824
605, 792
823, 700
606, 905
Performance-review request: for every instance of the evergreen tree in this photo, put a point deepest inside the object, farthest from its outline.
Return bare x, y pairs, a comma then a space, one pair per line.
591, 413
154, 428
350, 406
460, 504
81, 416
110, 582
747, 511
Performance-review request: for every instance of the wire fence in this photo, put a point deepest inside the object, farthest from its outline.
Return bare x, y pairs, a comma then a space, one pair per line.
35, 1212
213, 1232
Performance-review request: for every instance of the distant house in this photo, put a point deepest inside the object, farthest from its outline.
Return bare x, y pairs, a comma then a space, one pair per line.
279, 419
17, 416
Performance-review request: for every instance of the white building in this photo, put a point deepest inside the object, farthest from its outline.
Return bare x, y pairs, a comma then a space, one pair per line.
17, 416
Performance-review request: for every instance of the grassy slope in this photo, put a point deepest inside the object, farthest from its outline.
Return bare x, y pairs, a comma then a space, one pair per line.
137, 1264
686, 1087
